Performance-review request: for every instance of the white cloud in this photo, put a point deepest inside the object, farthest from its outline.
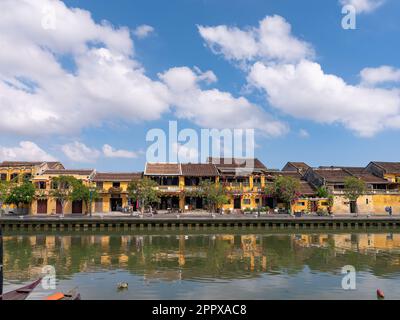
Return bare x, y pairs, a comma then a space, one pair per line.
185, 154
37, 92
27, 151
79, 152
40, 96
143, 31
383, 74
281, 65
305, 91
213, 108
272, 40
303, 133
363, 5
110, 152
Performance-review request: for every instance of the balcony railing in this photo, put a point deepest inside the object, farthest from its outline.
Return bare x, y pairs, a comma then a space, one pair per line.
115, 190
168, 188
374, 191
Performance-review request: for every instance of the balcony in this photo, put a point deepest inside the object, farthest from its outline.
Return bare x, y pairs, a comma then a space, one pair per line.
168, 188
191, 188
115, 190
371, 191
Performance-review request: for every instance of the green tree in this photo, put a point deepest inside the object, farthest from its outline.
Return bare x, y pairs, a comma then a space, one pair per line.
214, 193
22, 194
353, 189
62, 188
4, 190
322, 192
81, 192
145, 192
286, 189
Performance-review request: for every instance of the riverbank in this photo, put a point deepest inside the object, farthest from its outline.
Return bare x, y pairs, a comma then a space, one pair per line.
84, 222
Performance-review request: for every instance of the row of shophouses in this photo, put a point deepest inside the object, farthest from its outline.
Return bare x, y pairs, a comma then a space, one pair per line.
244, 184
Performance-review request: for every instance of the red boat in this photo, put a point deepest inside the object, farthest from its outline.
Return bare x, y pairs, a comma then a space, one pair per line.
18, 294
21, 293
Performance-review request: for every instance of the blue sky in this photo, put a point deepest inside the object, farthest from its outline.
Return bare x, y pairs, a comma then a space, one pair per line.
176, 42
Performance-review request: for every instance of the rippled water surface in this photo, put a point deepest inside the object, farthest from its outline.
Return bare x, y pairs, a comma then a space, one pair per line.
207, 265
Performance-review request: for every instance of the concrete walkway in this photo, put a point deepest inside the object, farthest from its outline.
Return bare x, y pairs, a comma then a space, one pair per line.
196, 216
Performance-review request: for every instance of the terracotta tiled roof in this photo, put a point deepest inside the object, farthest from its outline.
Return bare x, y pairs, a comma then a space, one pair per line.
83, 172
54, 164
237, 163
163, 169
354, 170
20, 163
388, 167
306, 188
117, 176
293, 174
370, 178
199, 169
300, 165
333, 175
351, 170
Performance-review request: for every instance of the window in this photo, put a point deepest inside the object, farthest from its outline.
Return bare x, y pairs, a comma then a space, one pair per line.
339, 187
302, 203
99, 185
324, 203
14, 176
3, 177
116, 184
257, 200
41, 185
366, 201
246, 201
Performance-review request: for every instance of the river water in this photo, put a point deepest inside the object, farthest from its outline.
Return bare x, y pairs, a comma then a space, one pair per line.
226, 264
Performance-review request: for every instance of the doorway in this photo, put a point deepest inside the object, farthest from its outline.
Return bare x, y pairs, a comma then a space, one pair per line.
353, 207
116, 204
77, 206
237, 203
58, 206
42, 206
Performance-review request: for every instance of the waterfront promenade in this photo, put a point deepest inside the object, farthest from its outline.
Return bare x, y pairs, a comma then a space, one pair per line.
198, 220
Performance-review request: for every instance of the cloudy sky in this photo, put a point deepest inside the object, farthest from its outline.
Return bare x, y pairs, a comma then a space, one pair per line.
83, 81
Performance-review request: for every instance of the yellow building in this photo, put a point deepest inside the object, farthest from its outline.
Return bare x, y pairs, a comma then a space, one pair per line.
113, 190
19, 171
245, 182
46, 204
381, 192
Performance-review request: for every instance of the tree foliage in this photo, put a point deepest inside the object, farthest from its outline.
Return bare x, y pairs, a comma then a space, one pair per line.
144, 191
62, 188
4, 190
353, 188
322, 192
214, 193
82, 192
21, 194
286, 189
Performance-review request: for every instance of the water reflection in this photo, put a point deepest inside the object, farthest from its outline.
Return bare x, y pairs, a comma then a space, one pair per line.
200, 257
171, 257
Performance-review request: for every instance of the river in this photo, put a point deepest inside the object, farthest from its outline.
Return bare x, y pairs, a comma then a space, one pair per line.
228, 264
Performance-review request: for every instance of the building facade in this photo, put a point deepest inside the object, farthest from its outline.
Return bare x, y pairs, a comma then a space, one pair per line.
244, 180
